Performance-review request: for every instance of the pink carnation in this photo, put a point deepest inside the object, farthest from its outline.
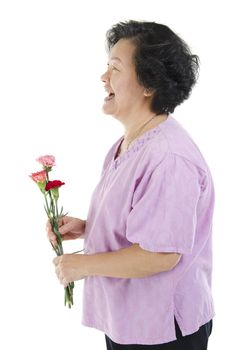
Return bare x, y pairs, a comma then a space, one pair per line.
40, 176
46, 161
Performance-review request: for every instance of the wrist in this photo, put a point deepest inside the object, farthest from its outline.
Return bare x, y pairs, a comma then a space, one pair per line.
87, 261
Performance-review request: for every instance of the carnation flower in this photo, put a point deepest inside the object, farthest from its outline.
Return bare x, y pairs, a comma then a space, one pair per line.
40, 176
47, 161
53, 184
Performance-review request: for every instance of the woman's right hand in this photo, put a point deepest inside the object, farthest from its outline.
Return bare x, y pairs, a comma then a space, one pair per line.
69, 228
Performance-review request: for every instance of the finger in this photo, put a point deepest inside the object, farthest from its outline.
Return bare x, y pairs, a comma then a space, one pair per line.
56, 260
64, 282
54, 243
61, 222
57, 271
48, 226
61, 277
65, 228
51, 236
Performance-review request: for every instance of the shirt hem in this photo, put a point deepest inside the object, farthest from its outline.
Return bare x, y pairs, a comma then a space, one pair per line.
165, 249
127, 341
186, 331
157, 341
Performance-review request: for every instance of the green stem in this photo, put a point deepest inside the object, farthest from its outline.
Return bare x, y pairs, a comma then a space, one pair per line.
50, 196
57, 214
54, 220
46, 202
68, 294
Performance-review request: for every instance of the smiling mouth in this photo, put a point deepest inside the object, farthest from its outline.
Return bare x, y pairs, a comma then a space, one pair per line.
109, 97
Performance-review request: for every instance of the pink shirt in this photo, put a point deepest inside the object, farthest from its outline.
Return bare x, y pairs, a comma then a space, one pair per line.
158, 194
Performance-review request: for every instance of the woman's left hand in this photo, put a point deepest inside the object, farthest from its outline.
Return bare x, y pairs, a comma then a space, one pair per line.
70, 268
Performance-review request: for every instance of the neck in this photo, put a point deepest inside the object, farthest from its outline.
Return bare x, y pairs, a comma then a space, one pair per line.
131, 129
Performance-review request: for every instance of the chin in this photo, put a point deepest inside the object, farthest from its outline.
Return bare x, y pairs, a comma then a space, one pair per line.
106, 110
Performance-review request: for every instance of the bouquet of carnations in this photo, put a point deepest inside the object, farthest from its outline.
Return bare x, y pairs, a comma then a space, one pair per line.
50, 190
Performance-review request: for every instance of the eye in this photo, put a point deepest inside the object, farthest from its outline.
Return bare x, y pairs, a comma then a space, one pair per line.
112, 67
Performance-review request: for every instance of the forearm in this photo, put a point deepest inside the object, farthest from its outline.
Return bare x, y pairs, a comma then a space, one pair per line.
131, 262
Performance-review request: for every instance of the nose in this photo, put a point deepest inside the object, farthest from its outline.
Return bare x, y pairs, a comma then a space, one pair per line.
104, 77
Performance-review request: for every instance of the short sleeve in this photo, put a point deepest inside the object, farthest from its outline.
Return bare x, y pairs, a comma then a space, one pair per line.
163, 217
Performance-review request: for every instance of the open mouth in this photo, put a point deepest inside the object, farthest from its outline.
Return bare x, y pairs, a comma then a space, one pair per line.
110, 96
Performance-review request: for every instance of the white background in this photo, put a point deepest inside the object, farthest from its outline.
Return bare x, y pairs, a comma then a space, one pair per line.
52, 56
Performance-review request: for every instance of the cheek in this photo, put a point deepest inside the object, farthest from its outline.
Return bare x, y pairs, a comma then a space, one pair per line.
126, 88
132, 92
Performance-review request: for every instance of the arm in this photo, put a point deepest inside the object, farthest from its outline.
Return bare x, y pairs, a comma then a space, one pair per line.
131, 262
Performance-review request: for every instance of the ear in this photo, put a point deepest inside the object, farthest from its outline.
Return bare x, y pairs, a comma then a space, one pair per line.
148, 92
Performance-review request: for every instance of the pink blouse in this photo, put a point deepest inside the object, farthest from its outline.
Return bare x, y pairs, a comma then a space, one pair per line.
158, 194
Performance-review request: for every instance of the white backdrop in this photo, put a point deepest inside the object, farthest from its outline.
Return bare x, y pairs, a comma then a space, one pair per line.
52, 56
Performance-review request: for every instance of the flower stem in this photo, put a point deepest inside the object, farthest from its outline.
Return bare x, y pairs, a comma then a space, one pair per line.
54, 217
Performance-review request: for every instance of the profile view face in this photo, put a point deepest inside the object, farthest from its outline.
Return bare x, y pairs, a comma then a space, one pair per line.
124, 93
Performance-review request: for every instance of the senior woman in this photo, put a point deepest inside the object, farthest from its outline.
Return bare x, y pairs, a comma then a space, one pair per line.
148, 235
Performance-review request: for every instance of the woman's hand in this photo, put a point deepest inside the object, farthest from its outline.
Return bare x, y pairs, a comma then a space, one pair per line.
69, 227
70, 268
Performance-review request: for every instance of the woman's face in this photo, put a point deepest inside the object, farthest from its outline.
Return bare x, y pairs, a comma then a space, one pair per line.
124, 94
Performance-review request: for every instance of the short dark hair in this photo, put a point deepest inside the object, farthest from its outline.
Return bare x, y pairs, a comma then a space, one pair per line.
163, 61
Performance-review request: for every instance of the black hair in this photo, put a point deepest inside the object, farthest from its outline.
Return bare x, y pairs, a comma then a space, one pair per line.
163, 61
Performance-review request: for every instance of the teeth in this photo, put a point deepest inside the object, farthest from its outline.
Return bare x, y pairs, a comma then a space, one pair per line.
109, 96
109, 93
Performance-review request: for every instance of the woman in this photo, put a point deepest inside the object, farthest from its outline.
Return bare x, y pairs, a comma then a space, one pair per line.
148, 260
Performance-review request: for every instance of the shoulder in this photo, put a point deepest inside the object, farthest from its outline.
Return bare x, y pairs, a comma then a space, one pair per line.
174, 139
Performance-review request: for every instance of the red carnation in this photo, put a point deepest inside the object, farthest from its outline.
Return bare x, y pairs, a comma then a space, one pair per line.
53, 184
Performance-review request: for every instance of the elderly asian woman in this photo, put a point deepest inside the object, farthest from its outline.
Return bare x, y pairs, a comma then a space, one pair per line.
147, 264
